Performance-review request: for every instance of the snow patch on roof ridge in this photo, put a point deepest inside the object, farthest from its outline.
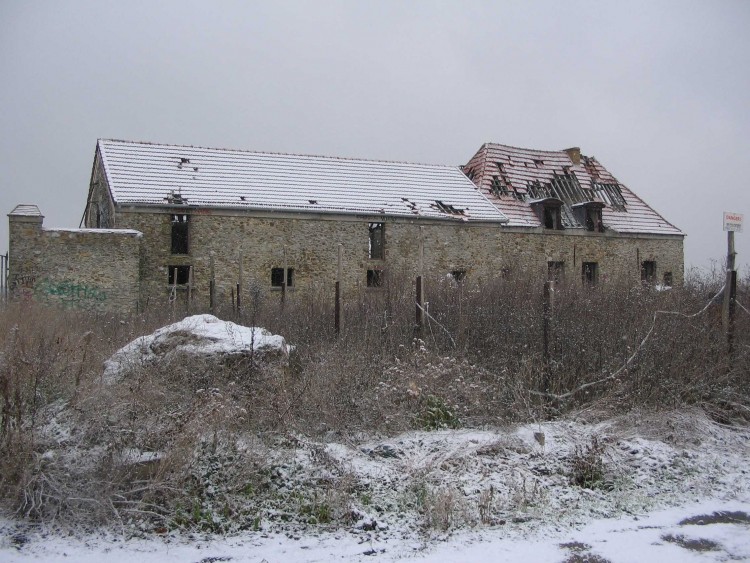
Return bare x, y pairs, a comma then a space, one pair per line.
94, 231
272, 153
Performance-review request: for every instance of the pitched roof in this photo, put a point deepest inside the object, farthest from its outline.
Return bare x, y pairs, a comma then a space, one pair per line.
155, 174
513, 178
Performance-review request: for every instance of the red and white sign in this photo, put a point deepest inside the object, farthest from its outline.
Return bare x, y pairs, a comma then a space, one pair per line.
733, 221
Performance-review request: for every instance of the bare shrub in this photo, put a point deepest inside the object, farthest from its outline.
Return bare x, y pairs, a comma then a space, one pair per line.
587, 464
170, 444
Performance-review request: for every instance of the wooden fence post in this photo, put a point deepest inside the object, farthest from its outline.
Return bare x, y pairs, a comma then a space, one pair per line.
239, 289
547, 313
212, 286
337, 305
284, 281
420, 285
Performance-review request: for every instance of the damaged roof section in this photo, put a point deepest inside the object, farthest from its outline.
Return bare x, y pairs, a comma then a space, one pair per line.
154, 174
514, 179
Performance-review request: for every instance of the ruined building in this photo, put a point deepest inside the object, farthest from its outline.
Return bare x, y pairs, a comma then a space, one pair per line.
166, 223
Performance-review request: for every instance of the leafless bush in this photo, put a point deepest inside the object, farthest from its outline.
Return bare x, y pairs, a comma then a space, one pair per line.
168, 444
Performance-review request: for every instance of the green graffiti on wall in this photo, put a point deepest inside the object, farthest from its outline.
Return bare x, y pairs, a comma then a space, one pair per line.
70, 292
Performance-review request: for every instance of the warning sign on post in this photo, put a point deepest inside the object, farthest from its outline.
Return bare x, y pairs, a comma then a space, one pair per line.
733, 221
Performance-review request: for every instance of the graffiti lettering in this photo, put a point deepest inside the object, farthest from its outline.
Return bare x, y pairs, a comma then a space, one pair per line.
70, 292
26, 281
22, 286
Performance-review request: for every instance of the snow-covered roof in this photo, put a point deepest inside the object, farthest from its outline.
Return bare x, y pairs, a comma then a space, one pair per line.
513, 178
155, 174
26, 210
121, 232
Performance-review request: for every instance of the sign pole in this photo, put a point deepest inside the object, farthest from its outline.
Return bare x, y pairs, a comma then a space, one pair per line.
732, 222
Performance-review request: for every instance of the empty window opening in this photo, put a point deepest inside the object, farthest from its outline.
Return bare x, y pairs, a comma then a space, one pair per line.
179, 275
594, 219
648, 271
375, 278
555, 271
179, 234
552, 218
377, 241
447, 208
458, 275
668, 279
277, 277
590, 273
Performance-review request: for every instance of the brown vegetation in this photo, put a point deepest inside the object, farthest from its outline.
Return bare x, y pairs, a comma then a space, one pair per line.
71, 444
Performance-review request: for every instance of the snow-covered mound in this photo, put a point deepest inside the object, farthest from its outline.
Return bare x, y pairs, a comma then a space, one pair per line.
199, 335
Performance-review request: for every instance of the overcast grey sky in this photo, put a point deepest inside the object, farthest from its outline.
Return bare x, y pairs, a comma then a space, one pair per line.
657, 91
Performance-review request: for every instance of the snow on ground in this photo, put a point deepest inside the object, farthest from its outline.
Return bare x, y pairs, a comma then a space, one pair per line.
675, 487
658, 537
203, 335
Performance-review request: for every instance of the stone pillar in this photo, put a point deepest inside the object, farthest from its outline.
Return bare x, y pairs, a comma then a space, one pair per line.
24, 231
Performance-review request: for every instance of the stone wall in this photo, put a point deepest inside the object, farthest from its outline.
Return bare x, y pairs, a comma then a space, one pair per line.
309, 245
79, 268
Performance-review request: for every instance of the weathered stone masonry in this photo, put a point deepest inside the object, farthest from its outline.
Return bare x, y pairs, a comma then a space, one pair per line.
310, 245
82, 268
126, 268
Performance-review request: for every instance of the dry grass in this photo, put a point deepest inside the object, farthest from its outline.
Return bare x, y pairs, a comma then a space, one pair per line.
477, 361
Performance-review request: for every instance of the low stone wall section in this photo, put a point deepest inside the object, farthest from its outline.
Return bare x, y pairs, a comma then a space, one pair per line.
77, 268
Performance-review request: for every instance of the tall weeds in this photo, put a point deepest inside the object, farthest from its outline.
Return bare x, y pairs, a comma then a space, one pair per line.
68, 440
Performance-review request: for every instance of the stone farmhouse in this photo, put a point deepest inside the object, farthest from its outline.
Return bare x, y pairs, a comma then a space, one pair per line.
167, 223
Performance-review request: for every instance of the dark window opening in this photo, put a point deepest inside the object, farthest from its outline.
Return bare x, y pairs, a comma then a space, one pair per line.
277, 277
668, 279
594, 220
555, 271
377, 241
179, 234
590, 273
648, 271
179, 275
375, 278
552, 219
458, 275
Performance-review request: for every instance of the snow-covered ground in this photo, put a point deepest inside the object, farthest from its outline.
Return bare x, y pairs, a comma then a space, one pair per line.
675, 487
657, 537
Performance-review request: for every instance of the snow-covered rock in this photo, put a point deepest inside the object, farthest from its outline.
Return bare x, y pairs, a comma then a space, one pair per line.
198, 335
